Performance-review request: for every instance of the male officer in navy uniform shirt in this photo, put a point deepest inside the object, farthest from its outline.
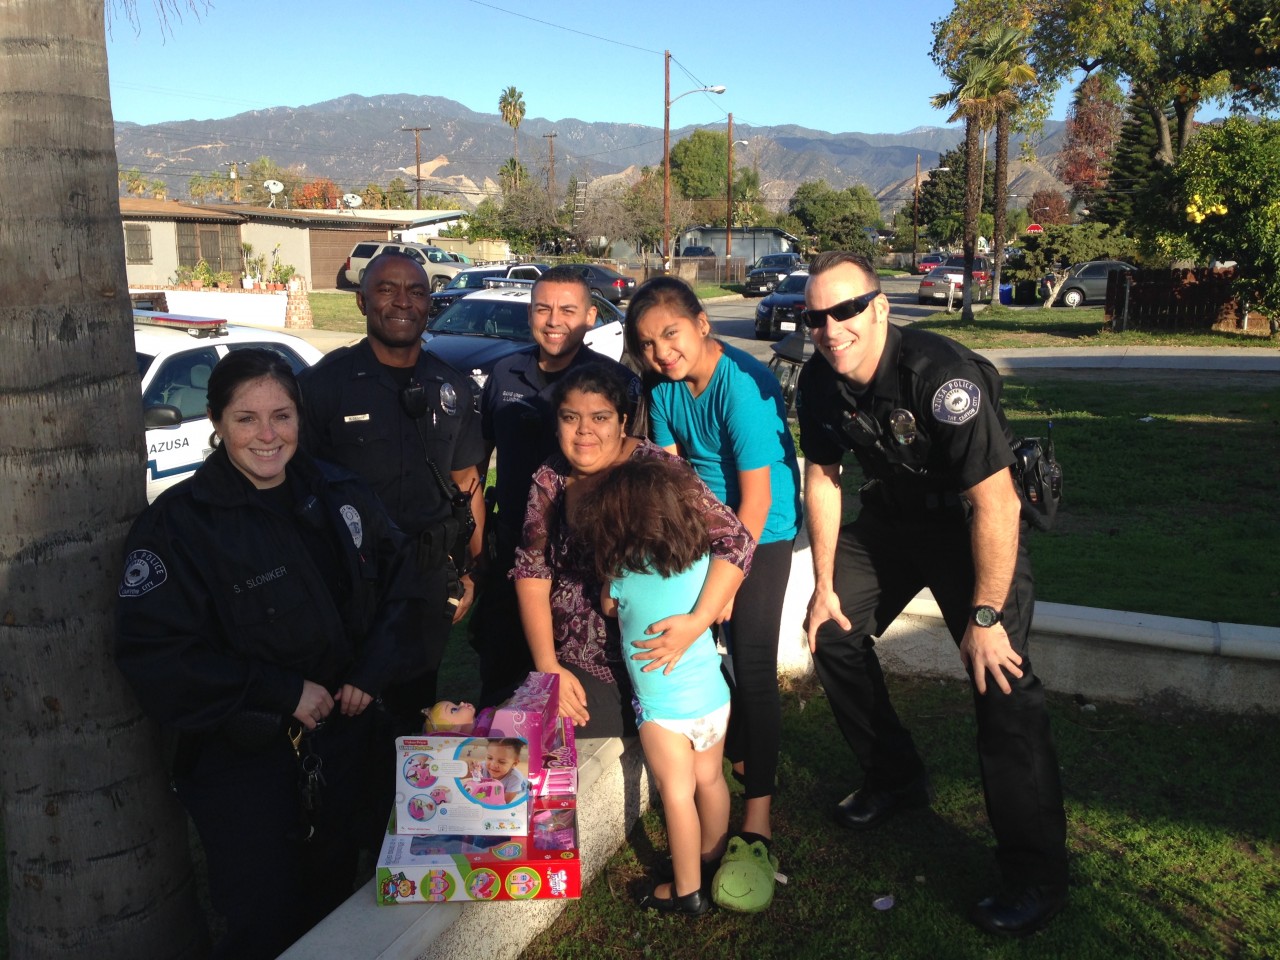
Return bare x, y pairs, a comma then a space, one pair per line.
403, 420
922, 416
517, 419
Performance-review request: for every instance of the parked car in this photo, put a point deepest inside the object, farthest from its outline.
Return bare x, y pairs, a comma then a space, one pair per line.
981, 267
935, 284
1087, 282
769, 271
485, 326
606, 282
175, 355
475, 278
440, 266
697, 251
779, 313
928, 261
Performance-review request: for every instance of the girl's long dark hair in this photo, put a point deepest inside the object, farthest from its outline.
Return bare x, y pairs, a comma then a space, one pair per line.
645, 516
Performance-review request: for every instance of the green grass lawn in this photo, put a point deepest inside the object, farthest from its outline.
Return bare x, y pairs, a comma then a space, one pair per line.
1174, 845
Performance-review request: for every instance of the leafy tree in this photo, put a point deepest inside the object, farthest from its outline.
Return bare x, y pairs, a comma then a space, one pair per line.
95, 843
485, 222
264, 169
1228, 192
828, 216
215, 186
373, 197
942, 195
1133, 176
1093, 131
320, 194
397, 195
511, 106
511, 174
700, 165
1061, 245
1049, 207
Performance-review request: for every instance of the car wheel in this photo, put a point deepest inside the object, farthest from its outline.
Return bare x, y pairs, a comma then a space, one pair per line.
1073, 297
439, 283
760, 333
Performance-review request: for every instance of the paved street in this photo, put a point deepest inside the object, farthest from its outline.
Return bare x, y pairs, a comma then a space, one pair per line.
733, 320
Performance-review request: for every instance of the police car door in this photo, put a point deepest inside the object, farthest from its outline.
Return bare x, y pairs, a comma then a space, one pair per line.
174, 397
606, 336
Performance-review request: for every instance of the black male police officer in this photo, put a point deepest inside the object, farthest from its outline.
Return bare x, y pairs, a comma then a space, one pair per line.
922, 416
516, 419
403, 420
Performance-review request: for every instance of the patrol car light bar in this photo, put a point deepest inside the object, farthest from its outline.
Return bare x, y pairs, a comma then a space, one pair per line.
195, 326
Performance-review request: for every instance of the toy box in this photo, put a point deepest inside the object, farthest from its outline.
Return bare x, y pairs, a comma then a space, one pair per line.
532, 713
475, 786
557, 774
542, 864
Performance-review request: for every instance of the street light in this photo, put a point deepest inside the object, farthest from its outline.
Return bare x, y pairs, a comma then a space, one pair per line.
728, 233
667, 101
915, 214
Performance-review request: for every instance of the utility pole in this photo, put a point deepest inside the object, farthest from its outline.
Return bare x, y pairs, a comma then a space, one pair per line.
728, 219
915, 219
417, 157
551, 177
234, 176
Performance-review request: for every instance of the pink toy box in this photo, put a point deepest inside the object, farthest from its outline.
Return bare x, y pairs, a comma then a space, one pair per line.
542, 864
444, 786
533, 714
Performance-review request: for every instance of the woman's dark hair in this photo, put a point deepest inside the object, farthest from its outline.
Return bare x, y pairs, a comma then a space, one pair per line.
670, 292
593, 378
645, 516
239, 367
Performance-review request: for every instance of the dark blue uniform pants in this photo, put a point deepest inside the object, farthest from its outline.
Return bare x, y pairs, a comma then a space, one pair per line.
883, 559
269, 883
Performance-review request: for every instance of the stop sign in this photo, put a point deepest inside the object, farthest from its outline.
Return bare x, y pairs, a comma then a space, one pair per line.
1034, 228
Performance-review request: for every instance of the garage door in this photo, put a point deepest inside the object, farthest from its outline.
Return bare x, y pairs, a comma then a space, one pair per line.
329, 250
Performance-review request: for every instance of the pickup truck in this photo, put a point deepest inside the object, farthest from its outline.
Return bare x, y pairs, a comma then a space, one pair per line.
769, 271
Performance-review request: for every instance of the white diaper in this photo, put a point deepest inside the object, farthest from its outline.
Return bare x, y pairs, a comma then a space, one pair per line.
703, 732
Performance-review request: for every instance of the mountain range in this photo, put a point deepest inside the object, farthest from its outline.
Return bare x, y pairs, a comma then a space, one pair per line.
356, 140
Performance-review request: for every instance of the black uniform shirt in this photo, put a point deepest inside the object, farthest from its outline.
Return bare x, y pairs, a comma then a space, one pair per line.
930, 420
517, 420
353, 415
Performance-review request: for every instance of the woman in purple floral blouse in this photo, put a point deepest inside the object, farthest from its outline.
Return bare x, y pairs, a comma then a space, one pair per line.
558, 592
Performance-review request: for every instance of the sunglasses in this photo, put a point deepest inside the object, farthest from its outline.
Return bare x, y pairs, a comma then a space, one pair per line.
845, 310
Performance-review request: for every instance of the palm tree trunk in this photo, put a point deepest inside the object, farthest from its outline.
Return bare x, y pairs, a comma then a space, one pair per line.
972, 207
1001, 199
96, 846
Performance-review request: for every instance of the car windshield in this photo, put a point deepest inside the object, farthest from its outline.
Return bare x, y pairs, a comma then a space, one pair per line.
469, 317
471, 280
793, 284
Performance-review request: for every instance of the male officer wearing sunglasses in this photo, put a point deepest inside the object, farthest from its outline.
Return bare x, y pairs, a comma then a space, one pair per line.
922, 416
402, 419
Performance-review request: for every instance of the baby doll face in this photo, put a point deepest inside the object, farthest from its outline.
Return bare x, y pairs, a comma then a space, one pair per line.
500, 760
447, 713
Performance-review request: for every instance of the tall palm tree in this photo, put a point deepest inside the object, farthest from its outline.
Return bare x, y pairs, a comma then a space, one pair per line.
96, 844
972, 99
511, 106
1005, 50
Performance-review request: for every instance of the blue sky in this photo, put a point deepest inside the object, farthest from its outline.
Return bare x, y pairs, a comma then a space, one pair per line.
834, 65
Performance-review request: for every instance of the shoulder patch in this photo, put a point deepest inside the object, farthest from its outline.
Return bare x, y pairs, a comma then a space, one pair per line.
956, 402
143, 572
351, 516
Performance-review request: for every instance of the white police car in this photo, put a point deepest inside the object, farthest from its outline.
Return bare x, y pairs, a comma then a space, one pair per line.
176, 354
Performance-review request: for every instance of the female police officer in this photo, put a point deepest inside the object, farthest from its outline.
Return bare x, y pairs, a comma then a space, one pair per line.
265, 603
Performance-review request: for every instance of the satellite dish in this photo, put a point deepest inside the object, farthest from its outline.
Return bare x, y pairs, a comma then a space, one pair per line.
273, 187
352, 199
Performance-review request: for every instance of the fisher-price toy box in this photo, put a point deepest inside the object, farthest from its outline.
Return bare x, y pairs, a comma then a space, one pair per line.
543, 864
444, 785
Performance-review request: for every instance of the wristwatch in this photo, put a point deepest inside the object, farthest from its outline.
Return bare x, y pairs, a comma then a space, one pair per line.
986, 616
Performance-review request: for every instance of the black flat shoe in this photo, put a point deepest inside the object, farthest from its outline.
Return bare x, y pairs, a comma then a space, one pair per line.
1019, 912
864, 809
691, 904
665, 872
